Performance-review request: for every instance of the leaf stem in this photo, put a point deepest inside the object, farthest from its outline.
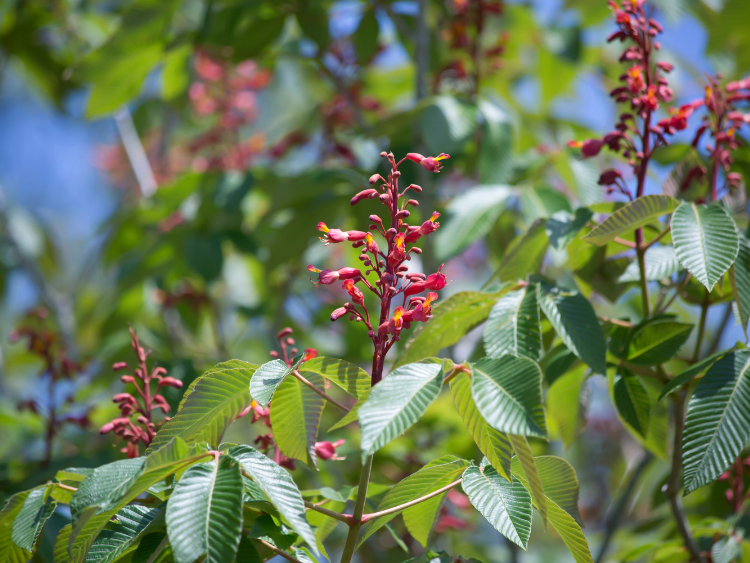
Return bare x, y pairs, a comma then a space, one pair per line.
320, 392
280, 552
640, 252
400, 507
624, 242
701, 328
359, 508
345, 518
656, 238
677, 292
617, 322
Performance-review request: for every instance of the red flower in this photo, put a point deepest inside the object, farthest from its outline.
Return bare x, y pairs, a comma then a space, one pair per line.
431, 163
428, 227
399, 250
357, 296
337, 235
589, 147
327, 450
395, 324
327, 277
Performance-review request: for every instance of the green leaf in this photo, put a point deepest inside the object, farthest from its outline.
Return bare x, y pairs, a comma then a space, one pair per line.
507, 506
496, 149
563, 227
71, 477
631, 216
267, 379
471, 215
451, 321
575, 322
660, 261
508, 394
726, 550
279, 487
295, 418
531, 475
36, 510
352, 379
366, 37
525, 254
561, 490
204, 512
446, 124
705, 241
739, 276
717, 425
564, 404
435, 475
106, 485
353, 414
631, 400
656, 341
214, 401
9, 551
513, 326
397, 402
543, 201
686, 376
494, 445
118, 537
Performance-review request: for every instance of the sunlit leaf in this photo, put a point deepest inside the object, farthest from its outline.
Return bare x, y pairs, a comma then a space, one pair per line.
635, 214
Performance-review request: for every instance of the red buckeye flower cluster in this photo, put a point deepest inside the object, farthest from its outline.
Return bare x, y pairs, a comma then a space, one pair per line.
143, 430
643, 87
387, 263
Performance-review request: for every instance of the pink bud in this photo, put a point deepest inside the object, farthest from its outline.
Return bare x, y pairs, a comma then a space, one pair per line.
415, 157
160, 371
120, 365
127, 379
170, 382
591, 147
107, 428
364, 194
338, 313
374, 178
327, 450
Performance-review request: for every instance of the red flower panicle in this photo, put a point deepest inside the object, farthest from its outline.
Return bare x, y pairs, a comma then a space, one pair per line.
141, 405
389, 264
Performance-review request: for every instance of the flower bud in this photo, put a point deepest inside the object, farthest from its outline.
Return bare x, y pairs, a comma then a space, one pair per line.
171, 382
364, 194
338, 313
119, 365
374, 178
107, 428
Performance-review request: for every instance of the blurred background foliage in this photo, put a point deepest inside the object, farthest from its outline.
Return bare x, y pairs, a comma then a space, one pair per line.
164, 164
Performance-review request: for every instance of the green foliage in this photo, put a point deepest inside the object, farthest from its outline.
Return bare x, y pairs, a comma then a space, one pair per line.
513, 326
630, 217
124, 535
631, 400
28, 524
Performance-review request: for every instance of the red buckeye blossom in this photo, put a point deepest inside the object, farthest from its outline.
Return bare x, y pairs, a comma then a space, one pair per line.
431, 163
337, 235
394, 324
327, 277
357, 296
327, 450
338, 313
399, 249
589, 147
423, 309
310, 353
428, 227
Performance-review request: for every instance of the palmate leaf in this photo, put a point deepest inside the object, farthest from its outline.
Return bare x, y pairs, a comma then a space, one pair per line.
685, 377
9, 551
528, 467
295, 418
435, 475
561, 490
213, 402
631, 400
204, 512
119, 537
660, 261
513, 326
508, 394
36, 510
397, 402
470, 217
631, 216
525, 254
507, 506
279, 487
705, 241
717, 425
739, 276
495, 445
167, 460
574, 320
656, 341
352, 379
450, 322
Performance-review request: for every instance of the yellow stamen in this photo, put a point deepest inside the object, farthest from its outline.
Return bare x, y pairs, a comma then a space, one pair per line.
397, 314
368, 238
434, 217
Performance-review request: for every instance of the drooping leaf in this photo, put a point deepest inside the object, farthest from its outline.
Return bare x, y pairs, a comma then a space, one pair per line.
563, 227
739, 275
106, 485
352, 379
525, 254
36, 510
575, 322
279, 487
435, 475
686, 376
705, 241
528, 467
631, 400
450, 322
397, 402
295, 418
9, 551
513, 326
656, 341
119, 537
631, 216
507, 506
213, 402
204, 512
493, 444
660, 261
470, 217
717, 425
508, 394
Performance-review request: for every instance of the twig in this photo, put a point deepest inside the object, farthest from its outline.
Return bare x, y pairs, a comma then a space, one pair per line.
655, 239
677, 292
136, 154
345, 518
720, 330
617, 322
320, 392
277, 551
624, 242
406, 505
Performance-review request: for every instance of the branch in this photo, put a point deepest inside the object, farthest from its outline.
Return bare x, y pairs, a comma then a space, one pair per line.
624, 242
617, 322
320, 392
277, 551
345, 518
655, 239
359, 508
400, 507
